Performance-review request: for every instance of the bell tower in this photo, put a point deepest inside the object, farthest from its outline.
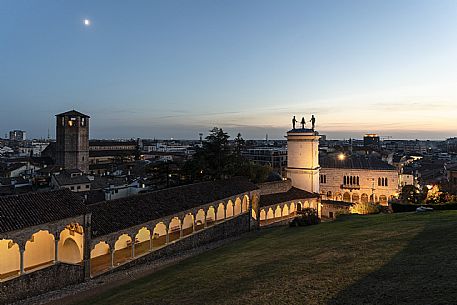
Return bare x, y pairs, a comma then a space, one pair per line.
72, 140
303, 157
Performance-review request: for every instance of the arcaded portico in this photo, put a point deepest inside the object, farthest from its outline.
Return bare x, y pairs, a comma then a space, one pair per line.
279, 207
52, 239
40, 230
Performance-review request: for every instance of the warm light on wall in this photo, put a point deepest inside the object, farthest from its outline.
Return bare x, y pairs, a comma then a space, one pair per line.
341, 157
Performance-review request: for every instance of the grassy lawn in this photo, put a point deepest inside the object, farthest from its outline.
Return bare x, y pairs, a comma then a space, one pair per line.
382, 259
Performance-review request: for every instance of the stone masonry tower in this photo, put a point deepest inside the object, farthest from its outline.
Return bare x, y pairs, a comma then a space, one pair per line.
303, 159
72, 140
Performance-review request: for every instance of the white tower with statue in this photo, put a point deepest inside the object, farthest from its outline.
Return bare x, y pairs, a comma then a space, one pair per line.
303, 156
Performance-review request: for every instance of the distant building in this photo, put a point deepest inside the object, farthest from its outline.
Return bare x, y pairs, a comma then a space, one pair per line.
372, 141
74, 180
72, 140
357, 179
276, 157
17, 135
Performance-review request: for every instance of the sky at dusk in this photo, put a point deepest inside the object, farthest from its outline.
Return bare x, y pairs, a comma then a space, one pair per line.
176, 68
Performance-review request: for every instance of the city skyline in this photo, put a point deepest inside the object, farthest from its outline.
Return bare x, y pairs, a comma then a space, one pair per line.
175, 69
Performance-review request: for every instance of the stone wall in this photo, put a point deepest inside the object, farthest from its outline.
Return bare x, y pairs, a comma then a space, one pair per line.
274, 187
229, 228
51, 278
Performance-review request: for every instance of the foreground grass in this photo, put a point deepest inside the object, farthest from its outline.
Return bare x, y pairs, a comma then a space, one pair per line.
382, 259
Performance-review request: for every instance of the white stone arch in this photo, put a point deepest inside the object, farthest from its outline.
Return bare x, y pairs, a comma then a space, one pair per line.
270, 214
142, 241
364, 198
220, 215
245, 203
159, 235
188, 224
237, 207
306, 204
285, 210
278, 212
39, 250
10, 259
292, 208
229, 209
383, 199
71, 244
355, 197
100, 258
200, 219
174, 229
122, 249
210, 216
299, 206
347, 197
263, 215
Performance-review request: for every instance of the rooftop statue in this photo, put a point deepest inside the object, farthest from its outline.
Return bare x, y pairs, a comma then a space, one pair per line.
303, 122
293, 122
313, 121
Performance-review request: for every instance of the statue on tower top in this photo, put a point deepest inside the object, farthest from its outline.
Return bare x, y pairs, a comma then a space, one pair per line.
303, 122
293, 122
313, 121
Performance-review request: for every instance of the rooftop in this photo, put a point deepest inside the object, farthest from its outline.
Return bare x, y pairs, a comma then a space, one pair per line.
355, 162
31, 209
115, 215
292, 194
73, 113
65, 178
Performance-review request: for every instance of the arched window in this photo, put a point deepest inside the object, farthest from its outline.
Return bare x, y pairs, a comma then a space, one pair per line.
278, 212
245, 203
200, 220
188, 225
100, 258
39, 250
220, 212
229, 209
142, 241
358, 180
386, 182
379, 182
355, 197
347, 197
292, 209
329, 195
159, 235
71, 244
263, 215
285, 211
9, 259
210, 216
174, 229
122, 249
237, 207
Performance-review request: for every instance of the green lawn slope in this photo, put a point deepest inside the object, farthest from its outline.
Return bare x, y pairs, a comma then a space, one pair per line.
403, 258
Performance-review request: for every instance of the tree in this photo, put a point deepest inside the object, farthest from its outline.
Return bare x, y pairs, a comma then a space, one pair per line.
411, 194
217, 160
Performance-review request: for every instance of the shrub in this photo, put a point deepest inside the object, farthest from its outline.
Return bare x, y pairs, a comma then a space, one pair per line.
305, 217
364, 208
